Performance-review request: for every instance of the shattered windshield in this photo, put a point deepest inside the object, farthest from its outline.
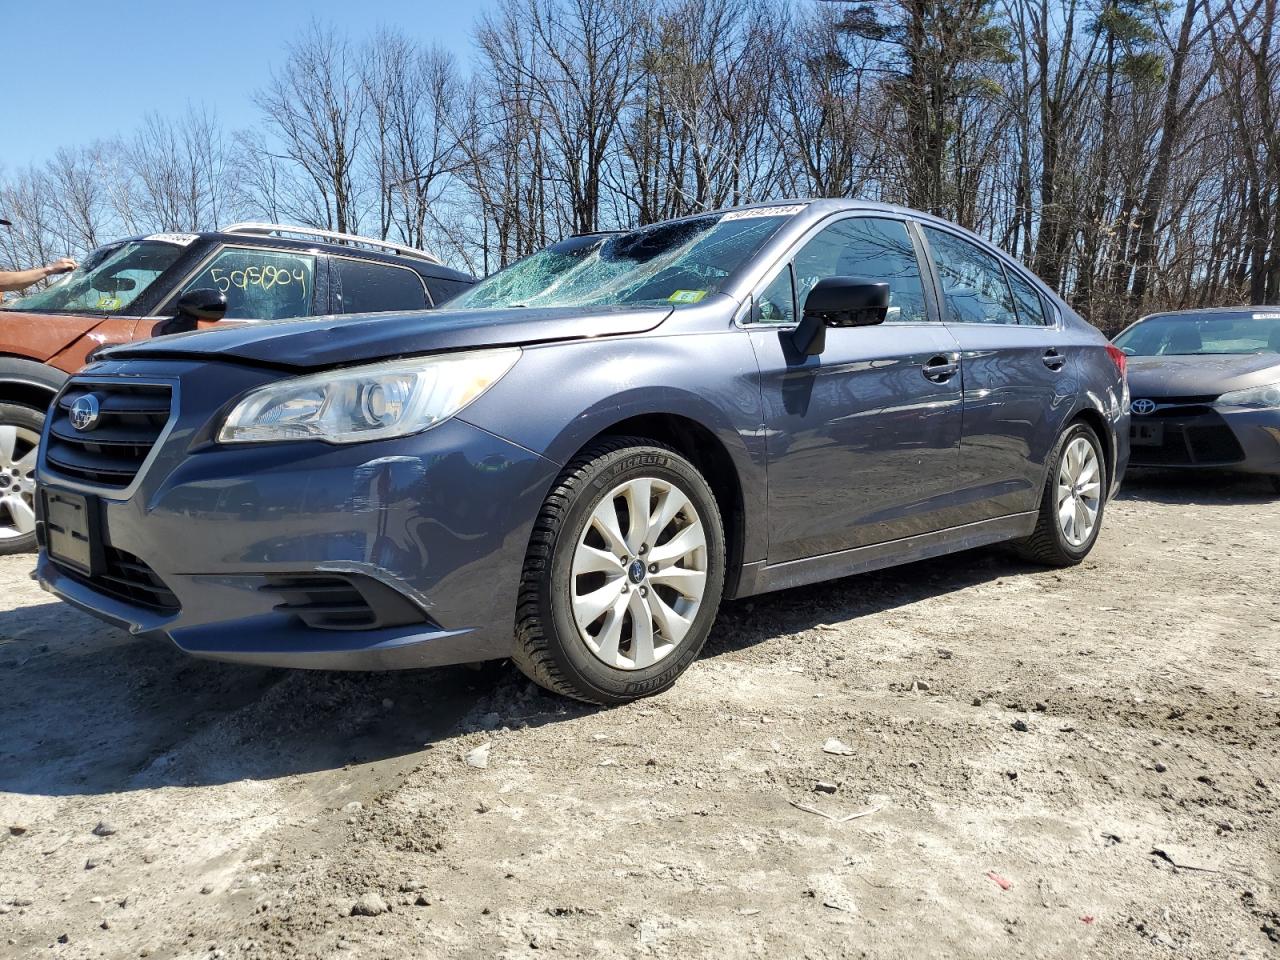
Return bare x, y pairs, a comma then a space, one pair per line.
678, 262
108, 280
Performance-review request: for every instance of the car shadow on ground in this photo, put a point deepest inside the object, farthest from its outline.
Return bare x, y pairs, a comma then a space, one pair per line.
1173, 487
87, 709
745, 623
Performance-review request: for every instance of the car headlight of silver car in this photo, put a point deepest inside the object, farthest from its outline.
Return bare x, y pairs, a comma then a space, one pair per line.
1259, 398
374, 402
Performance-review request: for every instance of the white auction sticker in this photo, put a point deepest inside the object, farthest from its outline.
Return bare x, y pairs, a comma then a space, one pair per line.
785, 210
180, 239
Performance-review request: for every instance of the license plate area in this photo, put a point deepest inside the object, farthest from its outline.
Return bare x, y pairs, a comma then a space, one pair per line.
1146, 434
73, 528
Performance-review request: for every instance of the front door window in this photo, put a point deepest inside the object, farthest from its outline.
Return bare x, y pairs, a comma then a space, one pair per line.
870, 248
260, 284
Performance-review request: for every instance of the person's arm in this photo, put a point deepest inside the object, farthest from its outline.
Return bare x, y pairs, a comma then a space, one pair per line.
17, 279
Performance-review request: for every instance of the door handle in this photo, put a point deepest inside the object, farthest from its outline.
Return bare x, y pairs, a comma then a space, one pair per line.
1053, 359
940, 369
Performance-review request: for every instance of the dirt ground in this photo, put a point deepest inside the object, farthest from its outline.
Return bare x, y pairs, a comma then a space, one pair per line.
1039, 764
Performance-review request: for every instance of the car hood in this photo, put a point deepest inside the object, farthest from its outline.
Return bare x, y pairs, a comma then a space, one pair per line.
1200, 376
319, 342
40, 336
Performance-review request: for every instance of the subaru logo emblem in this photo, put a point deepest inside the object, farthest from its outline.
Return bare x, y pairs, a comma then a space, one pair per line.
85, 412
1143, 407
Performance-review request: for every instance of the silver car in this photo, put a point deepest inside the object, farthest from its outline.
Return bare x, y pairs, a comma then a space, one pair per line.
1205, 390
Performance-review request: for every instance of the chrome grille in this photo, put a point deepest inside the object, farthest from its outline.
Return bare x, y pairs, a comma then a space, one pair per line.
130, 419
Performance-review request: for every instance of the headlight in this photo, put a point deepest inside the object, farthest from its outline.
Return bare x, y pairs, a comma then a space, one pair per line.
372, 402
1260, 398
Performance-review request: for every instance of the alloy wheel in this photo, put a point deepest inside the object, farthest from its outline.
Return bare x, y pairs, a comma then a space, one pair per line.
1079, 491
639, 573
18, 446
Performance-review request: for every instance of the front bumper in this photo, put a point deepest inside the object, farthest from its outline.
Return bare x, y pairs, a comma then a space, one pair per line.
1205, 437
438, 523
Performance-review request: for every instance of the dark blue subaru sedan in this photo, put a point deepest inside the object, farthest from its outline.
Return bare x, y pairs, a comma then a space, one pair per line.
574, 462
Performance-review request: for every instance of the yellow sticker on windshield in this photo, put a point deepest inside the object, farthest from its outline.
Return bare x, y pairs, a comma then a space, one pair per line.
108, 303
686, 296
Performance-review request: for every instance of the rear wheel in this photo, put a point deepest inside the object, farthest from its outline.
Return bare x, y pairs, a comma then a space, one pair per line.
1072, 503
19, 441
623, 575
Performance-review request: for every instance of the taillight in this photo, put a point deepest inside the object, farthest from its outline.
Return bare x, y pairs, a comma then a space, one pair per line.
1118, 357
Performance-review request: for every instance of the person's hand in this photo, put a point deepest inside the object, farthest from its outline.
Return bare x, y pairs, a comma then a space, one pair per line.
64, 265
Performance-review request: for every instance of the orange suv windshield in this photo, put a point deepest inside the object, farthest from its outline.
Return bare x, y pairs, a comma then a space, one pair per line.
108, 281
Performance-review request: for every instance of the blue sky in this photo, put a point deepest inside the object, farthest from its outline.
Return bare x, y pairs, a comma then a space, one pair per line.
78, 71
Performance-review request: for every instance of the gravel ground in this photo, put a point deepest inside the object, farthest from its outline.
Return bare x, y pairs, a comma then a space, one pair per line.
963, 757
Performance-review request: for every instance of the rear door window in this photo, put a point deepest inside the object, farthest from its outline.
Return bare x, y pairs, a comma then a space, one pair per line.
974, 288
1030, 304
260, 284
363, 286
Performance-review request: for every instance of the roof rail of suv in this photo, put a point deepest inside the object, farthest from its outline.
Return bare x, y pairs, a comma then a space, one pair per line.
281, 229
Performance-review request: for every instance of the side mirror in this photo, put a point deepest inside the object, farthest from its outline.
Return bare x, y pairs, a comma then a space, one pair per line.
202, 303
839, 302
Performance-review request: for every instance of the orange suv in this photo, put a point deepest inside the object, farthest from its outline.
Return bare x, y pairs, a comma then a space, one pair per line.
171, 282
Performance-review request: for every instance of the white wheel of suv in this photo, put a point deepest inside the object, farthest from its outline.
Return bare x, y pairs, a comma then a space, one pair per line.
19, 444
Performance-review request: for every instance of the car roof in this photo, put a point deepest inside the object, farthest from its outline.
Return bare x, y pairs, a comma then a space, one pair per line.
293, 243
811, 209
819, 205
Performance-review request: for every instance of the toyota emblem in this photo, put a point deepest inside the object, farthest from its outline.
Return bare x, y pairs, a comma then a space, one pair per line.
1143, 407
85, 412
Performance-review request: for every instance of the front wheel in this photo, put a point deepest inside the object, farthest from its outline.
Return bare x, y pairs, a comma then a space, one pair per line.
1072, 503
19, 441
623, 575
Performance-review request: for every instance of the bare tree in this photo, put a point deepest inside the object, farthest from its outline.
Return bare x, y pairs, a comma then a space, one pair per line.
316, 106
1189, 74
830, 104
414, 151
1129, 150
25, 199
572, 60
77, 204
179, 172
1247, 56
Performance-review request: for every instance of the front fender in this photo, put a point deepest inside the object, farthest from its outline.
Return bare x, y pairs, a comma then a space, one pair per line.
559, 397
